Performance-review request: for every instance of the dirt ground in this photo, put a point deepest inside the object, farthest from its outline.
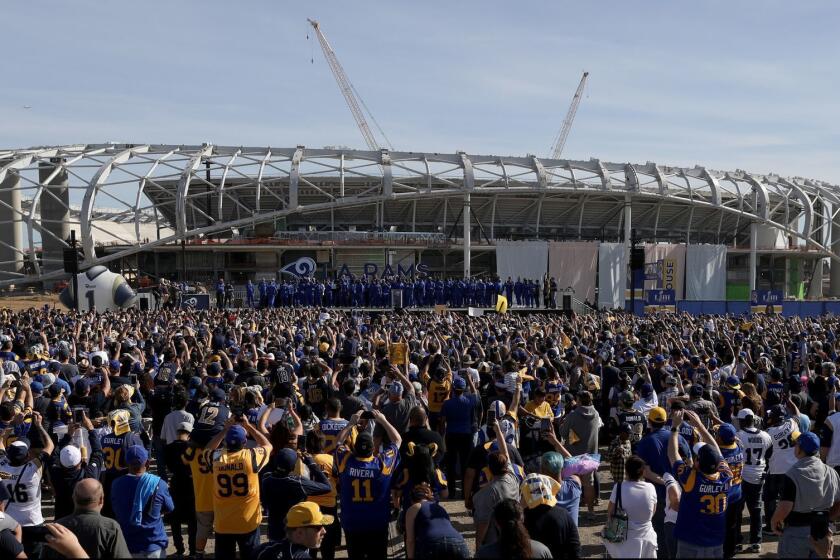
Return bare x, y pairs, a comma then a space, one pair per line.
23, 302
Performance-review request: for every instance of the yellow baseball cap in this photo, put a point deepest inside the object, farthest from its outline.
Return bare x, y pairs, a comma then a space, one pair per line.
538, 489
657, 414
307, 514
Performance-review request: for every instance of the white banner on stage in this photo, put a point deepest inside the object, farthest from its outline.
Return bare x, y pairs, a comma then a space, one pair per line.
527, 260
612, 275
672, 270
705, 267
574, 264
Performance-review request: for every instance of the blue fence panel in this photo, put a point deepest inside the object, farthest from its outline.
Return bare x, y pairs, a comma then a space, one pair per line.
738, 307
832, 307
810, 308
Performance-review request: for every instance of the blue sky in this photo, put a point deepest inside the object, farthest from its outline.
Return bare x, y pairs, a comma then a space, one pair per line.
749, 85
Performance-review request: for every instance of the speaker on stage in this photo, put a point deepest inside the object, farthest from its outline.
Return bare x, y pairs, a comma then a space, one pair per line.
637, 258
567, 302
71, 261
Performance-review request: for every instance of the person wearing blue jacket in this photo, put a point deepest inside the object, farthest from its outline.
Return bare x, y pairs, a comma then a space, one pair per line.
140, 500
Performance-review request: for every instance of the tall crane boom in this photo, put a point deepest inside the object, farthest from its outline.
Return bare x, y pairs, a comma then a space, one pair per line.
560, 140
351, 96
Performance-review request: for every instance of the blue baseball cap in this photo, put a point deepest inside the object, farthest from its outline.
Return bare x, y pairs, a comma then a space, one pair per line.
136, 455
459, 383
236, 436
726, 433
37, 387
808, 442
114, 364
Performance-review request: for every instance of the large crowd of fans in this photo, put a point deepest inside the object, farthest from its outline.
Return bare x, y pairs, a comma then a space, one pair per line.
300, 432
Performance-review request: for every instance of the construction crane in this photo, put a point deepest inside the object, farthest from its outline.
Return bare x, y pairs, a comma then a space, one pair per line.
351, 96
560, 140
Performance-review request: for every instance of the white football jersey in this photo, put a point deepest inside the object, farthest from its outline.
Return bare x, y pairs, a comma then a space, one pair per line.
24, 486
756, 444
783, 437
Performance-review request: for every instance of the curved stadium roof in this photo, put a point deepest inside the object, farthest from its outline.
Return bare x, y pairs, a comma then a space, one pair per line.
179, 192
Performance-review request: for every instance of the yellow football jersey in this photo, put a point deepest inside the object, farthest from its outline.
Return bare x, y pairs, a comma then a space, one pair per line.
236, 489
202, 475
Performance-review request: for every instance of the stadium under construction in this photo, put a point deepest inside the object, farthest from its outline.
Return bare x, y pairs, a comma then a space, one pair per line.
198, 212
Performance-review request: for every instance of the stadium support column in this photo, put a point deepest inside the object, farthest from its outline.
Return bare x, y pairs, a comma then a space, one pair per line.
11, 260
834, 278
467, 241
55, 213
753, 254
628, 241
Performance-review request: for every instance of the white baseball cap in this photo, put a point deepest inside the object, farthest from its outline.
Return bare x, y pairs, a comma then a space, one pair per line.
70, 456
745, 413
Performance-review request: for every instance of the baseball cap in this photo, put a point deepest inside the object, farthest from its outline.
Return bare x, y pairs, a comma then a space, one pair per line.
114, 364
307, 514
659, 358
236, 436
538, 489
745, 413
696, 390
646, 390
364, 445
217, 394
625, 428
733, 382
626, 397
215, 368
657, 414
708, 459
286, 459
459, 383
136, 455
18, 450
776, 411
726, 433
70, 456
808, 442
37, 387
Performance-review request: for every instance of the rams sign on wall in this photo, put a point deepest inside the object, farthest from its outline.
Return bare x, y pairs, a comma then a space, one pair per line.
100, 288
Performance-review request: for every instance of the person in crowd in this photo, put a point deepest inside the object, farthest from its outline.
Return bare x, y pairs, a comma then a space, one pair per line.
457, 422
236, 490
580, 429
71, 467
637, 498
99, 536
305, 529
619, 451
783, 429
504, 485
282, 488
140, 499
810, 493
24, 464
181, 489
758, 445
429, 533
701, 523
547, 521
364, 481
9, 525
513, 539
733, 453
328, 502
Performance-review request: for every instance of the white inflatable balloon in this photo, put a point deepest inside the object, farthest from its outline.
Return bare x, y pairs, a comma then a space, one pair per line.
100, 288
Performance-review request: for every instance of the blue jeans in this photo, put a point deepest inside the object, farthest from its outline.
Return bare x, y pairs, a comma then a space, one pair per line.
688, 550
444, 547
